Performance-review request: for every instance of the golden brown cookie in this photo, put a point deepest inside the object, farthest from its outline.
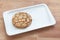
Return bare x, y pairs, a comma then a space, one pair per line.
21, 20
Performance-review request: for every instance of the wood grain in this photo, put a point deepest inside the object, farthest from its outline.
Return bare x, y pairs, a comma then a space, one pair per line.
51, 33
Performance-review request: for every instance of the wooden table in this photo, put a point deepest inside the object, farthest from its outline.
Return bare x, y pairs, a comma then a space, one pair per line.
50, 33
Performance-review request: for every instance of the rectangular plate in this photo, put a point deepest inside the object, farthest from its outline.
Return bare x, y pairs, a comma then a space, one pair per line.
41, 17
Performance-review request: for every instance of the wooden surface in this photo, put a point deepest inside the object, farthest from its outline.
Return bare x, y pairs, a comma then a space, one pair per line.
51, 33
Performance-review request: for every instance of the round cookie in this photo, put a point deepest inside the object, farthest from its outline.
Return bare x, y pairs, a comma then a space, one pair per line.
21, 20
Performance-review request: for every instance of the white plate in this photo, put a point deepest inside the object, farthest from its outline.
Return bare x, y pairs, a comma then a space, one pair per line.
41, 17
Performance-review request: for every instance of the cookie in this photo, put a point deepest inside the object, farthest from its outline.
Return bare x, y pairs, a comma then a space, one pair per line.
21, 20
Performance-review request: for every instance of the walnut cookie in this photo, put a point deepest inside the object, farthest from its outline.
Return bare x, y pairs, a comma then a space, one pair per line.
21, 20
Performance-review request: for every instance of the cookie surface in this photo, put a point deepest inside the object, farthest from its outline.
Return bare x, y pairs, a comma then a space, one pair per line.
21, 20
